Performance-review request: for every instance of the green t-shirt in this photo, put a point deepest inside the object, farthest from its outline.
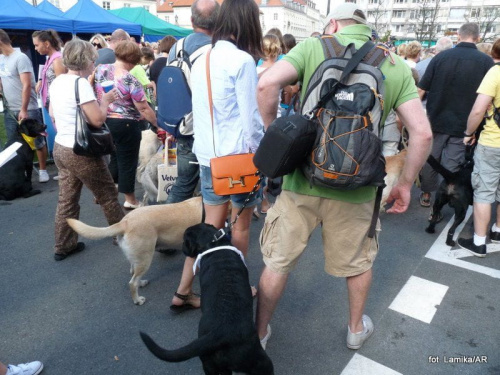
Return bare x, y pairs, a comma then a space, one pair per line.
139, 73
399, 88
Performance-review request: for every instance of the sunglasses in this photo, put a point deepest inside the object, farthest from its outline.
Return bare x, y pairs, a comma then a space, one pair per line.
96, 45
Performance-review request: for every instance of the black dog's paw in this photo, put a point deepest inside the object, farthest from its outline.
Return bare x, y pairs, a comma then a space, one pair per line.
430, 229
450, 242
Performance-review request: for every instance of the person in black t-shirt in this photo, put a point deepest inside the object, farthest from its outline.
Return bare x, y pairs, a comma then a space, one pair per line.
164, 47
451, 81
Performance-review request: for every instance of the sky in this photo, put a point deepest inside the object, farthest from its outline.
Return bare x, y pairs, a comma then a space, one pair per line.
321, 5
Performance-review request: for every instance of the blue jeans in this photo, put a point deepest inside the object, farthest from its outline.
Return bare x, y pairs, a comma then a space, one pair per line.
188, 174
11, 125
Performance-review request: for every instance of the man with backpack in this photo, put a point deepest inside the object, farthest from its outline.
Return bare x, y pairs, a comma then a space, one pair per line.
347, 215
186, 51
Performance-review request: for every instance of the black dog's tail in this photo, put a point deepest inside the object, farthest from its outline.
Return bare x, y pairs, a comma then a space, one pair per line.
201, 346
439, 168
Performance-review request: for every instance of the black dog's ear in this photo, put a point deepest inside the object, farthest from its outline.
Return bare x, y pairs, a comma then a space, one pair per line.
189, 246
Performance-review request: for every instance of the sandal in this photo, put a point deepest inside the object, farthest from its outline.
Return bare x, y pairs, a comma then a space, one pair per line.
425, 201
186, 305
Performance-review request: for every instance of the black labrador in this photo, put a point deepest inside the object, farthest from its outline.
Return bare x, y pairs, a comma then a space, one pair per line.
456, 190
227, 337
15, 175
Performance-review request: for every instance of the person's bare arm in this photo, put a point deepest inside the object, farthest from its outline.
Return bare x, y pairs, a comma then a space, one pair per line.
278, 76
421, 93
25, 94
146, 112
96, 113
413, 116
476, 116
59, 67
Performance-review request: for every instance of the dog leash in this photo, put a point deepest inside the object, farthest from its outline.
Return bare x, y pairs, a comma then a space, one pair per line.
249, 196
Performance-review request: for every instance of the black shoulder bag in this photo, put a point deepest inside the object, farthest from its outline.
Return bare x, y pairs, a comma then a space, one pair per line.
89, 140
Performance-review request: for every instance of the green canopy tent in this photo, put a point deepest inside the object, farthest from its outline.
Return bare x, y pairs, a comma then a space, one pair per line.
153, 28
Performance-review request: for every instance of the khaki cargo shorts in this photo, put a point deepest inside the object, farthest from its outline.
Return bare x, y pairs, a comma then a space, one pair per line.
290, 222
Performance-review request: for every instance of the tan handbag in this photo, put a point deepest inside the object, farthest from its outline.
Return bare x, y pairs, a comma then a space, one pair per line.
232, 174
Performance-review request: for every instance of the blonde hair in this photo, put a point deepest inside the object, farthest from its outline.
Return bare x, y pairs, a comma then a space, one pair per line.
402, 50
99, 39
413, 49
271, 46
485, 47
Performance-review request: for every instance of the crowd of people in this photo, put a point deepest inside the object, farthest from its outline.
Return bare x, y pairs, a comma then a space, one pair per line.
241, 83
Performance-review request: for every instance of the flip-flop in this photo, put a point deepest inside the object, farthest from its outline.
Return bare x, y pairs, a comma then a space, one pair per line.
424, 202
177, 309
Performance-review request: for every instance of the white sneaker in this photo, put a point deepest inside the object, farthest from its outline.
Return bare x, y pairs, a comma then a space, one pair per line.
356, 340
32, 368
43, 176
264, 340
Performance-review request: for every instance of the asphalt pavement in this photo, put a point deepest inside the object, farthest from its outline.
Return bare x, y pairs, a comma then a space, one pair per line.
435, 308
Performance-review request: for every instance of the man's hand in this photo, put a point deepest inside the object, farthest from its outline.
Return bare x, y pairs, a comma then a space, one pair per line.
22, 114
400, 195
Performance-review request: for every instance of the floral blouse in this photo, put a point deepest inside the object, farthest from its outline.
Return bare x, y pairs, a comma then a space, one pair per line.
129, 88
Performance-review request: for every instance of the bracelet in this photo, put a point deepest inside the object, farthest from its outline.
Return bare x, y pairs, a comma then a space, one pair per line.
468, 135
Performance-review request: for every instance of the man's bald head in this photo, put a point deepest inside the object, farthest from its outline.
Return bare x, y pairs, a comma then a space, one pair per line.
203, 15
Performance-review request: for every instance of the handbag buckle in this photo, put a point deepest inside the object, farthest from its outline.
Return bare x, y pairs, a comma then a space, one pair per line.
234, 182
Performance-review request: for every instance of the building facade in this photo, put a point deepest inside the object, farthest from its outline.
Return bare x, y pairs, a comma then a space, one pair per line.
297, 17
430, 19
64, 5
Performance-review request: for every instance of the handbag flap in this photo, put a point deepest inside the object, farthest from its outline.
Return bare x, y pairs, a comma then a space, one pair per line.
233, 166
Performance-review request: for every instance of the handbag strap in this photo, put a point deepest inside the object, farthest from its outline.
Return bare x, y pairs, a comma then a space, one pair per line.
77, 92
210, 100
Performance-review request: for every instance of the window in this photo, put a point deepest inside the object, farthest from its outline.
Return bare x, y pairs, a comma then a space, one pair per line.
475, 12
126, 5
167, 18
106, 5
400, 1
414, 14
457, 14
56, 3
275, 16
146, 7
398, 13
373, 1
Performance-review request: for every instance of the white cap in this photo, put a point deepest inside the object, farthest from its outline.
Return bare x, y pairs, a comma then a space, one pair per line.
345, 11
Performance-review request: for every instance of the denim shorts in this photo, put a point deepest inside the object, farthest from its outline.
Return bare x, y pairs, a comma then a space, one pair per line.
211, 199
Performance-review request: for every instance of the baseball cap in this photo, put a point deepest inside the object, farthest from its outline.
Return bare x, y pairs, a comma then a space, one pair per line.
345, 11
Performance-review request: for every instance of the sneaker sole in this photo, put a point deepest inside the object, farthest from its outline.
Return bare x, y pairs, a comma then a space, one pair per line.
356, 347
472, 252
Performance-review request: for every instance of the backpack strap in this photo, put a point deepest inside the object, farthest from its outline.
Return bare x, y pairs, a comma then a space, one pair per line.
331, 46
376, 56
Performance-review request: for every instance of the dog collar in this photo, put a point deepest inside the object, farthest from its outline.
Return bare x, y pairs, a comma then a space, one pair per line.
232, 248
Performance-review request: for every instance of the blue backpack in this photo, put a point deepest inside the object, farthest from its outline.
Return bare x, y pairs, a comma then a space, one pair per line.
175, 111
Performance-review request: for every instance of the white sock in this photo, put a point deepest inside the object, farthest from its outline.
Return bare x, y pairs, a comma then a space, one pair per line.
494, 228
478, 240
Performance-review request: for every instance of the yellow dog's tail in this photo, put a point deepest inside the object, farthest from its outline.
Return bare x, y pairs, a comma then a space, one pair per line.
96, 233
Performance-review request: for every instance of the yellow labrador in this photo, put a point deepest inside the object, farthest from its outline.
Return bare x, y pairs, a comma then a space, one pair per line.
393, 167
142, 229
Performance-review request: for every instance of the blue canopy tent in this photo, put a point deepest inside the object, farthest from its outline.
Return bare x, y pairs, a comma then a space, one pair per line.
88, 17
19, 15
47, 7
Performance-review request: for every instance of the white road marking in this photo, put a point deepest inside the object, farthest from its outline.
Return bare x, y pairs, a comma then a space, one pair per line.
419, 298
359, 365
442, 253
